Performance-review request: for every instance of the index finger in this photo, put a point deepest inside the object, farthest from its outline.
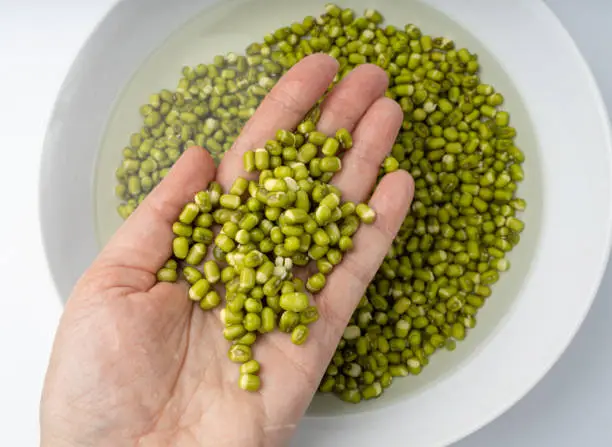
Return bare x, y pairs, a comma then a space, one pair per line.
283, 108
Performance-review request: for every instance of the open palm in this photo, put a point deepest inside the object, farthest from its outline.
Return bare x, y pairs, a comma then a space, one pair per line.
136, 363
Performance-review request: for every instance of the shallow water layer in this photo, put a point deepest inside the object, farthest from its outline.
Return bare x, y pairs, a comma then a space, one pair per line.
231, 26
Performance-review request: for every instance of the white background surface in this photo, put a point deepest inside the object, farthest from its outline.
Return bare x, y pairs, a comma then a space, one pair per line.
38, 41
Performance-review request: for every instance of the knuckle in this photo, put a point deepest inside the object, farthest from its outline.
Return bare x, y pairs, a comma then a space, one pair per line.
284, 98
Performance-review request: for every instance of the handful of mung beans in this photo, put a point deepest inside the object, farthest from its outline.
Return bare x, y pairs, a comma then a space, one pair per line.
289, 217
455, 141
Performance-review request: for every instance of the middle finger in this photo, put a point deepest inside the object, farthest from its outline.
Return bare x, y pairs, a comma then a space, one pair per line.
351, 98
283, 108
358, 104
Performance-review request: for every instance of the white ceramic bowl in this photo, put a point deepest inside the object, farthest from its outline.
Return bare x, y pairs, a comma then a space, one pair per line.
563, 129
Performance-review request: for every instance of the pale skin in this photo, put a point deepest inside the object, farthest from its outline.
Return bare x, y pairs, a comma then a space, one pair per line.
136, 363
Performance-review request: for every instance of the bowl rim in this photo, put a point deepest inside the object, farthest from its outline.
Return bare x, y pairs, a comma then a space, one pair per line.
553, 48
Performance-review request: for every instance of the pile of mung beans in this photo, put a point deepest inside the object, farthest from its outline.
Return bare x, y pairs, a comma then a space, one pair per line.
291, 216
455, 141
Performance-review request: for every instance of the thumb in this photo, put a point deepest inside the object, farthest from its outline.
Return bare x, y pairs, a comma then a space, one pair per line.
144, 241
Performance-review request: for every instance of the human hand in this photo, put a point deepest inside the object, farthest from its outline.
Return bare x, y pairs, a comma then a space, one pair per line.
136, 363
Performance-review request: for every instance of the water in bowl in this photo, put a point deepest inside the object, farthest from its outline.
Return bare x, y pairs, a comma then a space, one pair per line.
231, 25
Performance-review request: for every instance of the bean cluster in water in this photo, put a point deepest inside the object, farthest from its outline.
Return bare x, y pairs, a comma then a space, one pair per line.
455, 141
